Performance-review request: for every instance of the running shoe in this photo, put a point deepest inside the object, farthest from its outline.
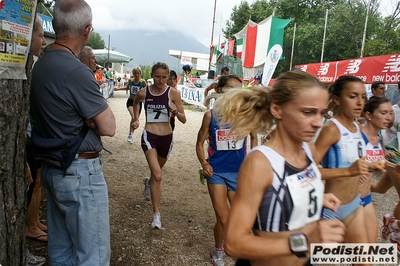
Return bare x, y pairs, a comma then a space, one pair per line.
395, 241
146, 191
202, 179
217, 256
32, 260
156, 222
129, 139
386, 228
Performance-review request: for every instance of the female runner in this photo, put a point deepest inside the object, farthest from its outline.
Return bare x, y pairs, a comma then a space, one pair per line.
279, 195
160, 101
225, 155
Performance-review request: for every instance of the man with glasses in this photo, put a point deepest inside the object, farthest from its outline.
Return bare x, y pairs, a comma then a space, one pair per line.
66, 102
87, 57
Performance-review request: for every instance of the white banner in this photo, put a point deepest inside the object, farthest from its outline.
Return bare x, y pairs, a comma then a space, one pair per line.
192, 95
271, 62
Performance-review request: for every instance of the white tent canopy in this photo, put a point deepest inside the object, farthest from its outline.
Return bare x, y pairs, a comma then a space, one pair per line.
201, 60
110, 56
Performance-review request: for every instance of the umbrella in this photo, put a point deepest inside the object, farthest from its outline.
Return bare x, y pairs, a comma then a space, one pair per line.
110, 56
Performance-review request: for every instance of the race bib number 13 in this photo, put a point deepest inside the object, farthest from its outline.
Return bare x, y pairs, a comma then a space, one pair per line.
226, 141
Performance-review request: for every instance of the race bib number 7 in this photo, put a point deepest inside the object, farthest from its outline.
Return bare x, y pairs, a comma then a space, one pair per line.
157, 115
226, 141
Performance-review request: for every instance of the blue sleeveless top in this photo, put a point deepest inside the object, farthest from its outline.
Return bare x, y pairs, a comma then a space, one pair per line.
226, 153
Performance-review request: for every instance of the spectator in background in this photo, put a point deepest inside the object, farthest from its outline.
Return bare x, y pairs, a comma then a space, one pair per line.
224, 72
87, 57
246, 83
378, 88
77, 202
187, 70
108, 74
257, 80
99, 76
172, 81
34, 228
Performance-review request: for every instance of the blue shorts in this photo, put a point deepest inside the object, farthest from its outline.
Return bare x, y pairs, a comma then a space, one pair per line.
347, 209
228, 179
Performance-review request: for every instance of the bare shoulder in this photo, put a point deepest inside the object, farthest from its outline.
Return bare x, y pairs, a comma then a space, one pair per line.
258, 168
330, 128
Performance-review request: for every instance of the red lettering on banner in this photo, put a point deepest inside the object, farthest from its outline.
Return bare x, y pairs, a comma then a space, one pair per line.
223, 135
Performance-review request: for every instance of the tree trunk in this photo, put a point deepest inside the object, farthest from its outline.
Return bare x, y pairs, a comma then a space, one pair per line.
14, 105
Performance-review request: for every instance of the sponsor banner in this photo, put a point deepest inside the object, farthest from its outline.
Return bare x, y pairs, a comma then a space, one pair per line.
384, 68
361, 253
192, 95
271, 62
47, 23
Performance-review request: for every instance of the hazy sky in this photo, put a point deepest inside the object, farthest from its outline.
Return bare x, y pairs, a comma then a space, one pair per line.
188, 16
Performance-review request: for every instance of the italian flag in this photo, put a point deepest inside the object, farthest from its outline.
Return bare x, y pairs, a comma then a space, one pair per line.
239, 47
257, 40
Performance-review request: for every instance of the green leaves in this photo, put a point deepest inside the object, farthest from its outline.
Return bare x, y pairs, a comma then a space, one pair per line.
345, 26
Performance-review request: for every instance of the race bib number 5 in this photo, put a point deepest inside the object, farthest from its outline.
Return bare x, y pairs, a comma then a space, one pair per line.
306, 189
226, 141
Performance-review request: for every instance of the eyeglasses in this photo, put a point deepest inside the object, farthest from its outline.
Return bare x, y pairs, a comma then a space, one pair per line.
91, 29
91, 57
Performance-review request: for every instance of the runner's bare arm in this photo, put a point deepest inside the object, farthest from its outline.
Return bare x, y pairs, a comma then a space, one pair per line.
138, 99
177, 106
201, 138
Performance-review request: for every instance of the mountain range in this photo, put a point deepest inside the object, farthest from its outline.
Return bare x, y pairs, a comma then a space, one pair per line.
148, 47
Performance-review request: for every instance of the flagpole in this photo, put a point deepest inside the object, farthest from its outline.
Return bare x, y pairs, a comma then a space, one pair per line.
365, 32
294, 36
323, 39
212, 36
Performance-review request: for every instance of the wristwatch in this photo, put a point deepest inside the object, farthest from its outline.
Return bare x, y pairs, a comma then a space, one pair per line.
298, 245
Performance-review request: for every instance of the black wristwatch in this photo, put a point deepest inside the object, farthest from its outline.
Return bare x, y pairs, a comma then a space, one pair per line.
298, 245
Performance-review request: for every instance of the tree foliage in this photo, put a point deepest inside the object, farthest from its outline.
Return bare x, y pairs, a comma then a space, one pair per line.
95, 41
146, 72
344, 33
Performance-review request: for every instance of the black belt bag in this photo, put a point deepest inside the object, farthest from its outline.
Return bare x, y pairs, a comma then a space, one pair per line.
57, 152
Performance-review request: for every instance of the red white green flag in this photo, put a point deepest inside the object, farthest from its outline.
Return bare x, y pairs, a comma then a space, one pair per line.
258, 39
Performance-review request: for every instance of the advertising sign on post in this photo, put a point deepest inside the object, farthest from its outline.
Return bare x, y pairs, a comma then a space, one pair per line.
16, 24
